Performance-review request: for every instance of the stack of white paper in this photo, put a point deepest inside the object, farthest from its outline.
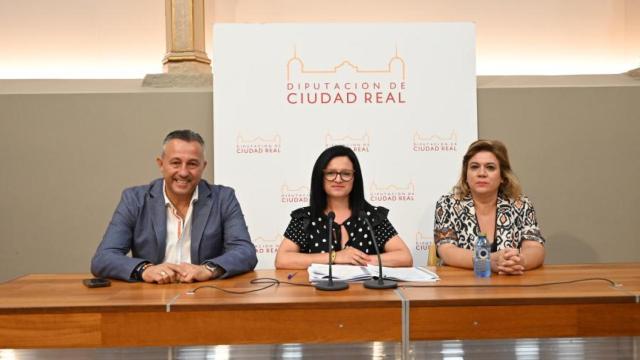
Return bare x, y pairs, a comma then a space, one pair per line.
358, 273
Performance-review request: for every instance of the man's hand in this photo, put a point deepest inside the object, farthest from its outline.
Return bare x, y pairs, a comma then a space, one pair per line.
166, 273
189, 273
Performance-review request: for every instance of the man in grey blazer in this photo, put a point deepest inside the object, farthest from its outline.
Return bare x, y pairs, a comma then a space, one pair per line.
178, 228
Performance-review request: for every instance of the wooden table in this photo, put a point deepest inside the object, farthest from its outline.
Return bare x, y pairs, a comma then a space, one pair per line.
581, 309
58, 311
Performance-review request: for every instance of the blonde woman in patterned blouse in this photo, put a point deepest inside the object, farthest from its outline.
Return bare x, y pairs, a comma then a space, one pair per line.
488, 198
337, 185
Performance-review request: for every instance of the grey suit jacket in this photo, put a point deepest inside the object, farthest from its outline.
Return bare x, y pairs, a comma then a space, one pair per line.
218, 232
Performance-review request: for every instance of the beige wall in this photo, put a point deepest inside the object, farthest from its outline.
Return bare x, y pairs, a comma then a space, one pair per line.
69, 148
513, 37
576, 151
125, 39
66, 39
68, 156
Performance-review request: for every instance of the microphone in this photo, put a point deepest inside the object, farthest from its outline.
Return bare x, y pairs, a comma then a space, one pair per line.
373, 283
330, 285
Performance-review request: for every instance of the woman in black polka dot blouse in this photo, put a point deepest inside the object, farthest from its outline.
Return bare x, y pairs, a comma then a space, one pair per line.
336, 185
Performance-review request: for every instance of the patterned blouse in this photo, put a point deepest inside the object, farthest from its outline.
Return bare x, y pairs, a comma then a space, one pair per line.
311, 234
456, 223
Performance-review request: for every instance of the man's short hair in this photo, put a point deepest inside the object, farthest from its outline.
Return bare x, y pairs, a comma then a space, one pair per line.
184, 135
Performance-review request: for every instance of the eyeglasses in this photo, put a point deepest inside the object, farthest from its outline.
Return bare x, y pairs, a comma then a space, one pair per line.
332, 175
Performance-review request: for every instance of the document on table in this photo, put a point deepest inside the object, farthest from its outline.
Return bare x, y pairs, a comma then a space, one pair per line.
358, 273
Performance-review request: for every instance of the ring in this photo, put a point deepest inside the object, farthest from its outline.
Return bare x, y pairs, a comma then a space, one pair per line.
163, 273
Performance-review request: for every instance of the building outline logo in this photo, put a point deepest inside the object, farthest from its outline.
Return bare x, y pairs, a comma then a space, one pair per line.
267, 245
435, 142
345, 82
258, 144
392, 192
294, 195
276, 239
346, 63
356, 144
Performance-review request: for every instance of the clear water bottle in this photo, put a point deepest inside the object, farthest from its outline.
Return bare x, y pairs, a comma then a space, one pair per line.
482, 257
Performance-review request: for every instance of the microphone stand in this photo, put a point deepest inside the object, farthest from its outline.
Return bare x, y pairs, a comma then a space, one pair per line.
331, 285
380, 283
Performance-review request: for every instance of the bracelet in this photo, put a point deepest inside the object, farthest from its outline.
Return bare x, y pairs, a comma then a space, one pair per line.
140, 269
333, 256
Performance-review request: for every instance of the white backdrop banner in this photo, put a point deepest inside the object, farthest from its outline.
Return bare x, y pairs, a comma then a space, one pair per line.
402, 96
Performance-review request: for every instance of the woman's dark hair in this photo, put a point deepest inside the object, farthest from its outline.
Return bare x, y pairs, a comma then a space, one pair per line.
318, 198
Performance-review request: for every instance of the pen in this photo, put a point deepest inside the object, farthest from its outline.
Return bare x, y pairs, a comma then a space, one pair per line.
290, 276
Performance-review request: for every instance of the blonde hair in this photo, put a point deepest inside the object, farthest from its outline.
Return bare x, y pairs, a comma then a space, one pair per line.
510, 186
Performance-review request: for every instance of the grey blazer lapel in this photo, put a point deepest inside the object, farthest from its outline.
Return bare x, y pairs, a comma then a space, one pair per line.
158, 214
201, 211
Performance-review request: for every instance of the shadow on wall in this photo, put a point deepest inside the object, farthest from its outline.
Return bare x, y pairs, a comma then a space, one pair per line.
564, 248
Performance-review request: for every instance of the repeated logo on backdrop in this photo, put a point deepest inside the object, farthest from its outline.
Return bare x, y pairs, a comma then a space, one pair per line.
294, 195
422, 241
268, 244
346, 83
257, 145
435, 142
392, 192
357, 144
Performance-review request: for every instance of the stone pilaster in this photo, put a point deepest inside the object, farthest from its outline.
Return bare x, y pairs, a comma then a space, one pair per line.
186, 63
185, 37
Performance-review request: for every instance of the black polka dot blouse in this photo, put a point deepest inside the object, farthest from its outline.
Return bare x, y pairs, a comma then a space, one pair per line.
312, 234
